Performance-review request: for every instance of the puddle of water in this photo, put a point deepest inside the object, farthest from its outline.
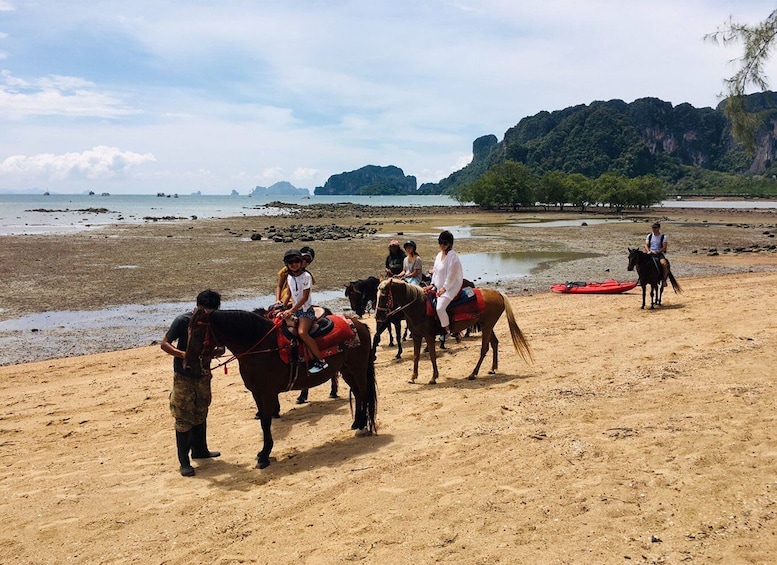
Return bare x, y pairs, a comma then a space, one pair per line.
492, 267
48, 335
131, 315
568, 223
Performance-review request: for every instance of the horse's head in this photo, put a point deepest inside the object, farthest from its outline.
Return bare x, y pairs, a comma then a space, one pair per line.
385, 301
199, 345
634, 256
360, 293
355, 295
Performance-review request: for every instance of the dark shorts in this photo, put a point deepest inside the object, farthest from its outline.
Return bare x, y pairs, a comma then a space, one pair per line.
309, 314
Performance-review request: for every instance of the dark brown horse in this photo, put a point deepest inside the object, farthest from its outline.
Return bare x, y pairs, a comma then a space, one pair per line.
362, 294
650, 273
253, 341
396, 295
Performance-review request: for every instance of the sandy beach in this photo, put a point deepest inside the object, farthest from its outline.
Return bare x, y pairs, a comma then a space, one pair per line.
635, 436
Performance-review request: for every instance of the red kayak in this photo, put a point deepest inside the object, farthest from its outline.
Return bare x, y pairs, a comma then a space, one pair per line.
606, 287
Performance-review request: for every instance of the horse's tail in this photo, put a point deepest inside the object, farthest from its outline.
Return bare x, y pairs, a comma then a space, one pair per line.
371, 399
519, 340
675, 284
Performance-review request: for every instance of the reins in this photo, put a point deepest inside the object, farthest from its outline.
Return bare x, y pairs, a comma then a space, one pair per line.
390, 298
250, 351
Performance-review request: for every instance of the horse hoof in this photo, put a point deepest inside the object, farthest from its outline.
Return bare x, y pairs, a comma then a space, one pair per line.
333, 395
363, 432
433, 382
471, 378
262, 464
398, 356
492, 372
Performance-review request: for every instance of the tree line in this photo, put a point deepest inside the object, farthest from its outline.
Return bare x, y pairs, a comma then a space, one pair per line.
512, 185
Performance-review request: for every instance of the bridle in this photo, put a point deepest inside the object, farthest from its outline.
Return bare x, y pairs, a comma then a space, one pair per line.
389, 309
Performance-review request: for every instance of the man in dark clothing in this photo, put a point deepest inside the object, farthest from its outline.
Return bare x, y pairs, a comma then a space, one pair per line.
395, 259
190, 397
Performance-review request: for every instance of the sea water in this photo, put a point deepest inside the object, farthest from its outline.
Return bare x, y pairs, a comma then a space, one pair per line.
62, 213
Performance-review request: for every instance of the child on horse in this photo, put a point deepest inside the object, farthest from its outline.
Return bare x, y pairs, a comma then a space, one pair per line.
411, 265
300, 282
282, 295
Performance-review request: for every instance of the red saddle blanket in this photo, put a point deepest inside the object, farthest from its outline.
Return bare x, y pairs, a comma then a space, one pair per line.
342, 336
461, 309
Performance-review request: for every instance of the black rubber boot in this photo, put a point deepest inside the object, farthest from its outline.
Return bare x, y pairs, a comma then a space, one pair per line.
183, 441
200, 443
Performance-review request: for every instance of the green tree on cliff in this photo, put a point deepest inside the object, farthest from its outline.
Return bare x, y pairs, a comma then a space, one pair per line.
758, 42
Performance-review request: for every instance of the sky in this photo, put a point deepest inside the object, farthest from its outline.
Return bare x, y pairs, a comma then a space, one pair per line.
147, 96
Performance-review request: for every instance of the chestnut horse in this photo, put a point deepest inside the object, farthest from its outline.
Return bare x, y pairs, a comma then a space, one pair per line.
253, 341
395, 295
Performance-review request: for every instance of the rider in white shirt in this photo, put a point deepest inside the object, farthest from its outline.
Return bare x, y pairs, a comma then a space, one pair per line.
655, 244
447, 278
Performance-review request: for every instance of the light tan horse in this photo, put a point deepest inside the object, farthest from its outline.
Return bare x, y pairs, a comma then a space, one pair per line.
395, 295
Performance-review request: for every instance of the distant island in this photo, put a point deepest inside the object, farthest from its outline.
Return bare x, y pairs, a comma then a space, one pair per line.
283, 188
370, 180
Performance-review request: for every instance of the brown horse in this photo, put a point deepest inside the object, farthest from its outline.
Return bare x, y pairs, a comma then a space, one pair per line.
394, 295
363, 293
253, 341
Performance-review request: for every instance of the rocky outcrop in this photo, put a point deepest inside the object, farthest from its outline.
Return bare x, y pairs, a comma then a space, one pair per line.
371, 179
282, 188
647, 136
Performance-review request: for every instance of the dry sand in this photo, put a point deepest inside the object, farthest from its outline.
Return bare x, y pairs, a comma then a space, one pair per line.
636, 436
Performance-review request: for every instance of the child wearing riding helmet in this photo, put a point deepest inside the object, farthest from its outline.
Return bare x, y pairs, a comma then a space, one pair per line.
300, 283
282, 294
411, 266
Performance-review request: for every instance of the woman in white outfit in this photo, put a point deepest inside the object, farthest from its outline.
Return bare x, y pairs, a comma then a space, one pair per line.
447, 278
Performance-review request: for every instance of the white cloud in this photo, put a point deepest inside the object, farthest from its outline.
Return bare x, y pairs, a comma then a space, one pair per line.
56, 95
99, 163
253, 92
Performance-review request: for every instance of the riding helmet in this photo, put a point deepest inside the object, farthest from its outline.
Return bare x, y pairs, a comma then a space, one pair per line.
446, 237
409, 243
290, 254
307, 251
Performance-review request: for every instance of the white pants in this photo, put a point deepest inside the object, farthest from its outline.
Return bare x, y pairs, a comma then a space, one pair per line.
442, 304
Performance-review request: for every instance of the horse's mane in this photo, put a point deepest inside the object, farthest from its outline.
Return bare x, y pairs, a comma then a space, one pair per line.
412, 292
242, 321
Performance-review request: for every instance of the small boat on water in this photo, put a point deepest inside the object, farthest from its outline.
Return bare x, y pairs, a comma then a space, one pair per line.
607, 287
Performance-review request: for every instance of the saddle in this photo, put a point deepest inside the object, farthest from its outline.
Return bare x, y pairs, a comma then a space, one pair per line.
321, 325
336, 333
468, 305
